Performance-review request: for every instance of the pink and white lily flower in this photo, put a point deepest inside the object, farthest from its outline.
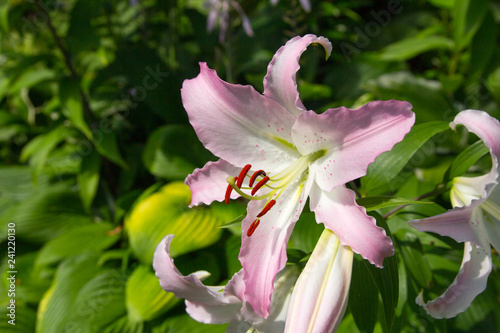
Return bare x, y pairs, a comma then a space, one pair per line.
475, 220
277, 154
223, 304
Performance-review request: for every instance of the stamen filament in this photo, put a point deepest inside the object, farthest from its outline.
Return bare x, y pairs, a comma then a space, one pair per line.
231, 181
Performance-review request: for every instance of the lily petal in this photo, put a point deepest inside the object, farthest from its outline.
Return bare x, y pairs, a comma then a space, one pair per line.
351, 139
280, 83
263, 254
484, 126
190, 287
470, 282
492, 217
339, 212
456, 223
320, 295
209, 184
226, 115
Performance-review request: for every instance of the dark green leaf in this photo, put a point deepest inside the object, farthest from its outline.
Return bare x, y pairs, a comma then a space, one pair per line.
412, 47
412, 253
363, 297
306, 233
465, 160
81, 239
166, 156
386, 279
481, 50
388, 165
467, 18
72, 105
185, 324
107, 146
377, 202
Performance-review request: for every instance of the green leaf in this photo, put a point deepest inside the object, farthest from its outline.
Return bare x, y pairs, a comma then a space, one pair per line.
166, 212
91, 238
32, 77
4, 15
412, 47
70, 277
381, 201
107, 146
45, 215
386, 279
363, 297
185, 324
38, 149
448, 4
82, 35
72, 104
465, 160
306, 233
411, 252
88, 178
481, 51
467, 18
387, 165
165, 157
145, 299
428, 97
23, 320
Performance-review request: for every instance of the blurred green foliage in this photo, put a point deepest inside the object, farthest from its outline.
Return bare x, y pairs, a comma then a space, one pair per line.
94, 141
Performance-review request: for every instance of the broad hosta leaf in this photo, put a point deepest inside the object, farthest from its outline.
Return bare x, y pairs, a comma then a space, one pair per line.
167, 212
98, 303
81, 239
83, 298
31, 283
88, 178
38, 149
164, 156
145, 299
382, 201
412, 47
22, 321
70, 277
363, 297
466, 159
46, 215
467, 18
185, 324
388, 165
16, 185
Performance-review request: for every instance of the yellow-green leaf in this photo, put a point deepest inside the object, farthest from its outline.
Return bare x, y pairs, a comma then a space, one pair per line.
166, 212
145, 299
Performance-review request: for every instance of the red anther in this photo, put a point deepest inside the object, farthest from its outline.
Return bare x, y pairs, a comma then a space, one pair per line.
255, 175
242, 175
229, 189
260, 184
252, 228
267, 207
